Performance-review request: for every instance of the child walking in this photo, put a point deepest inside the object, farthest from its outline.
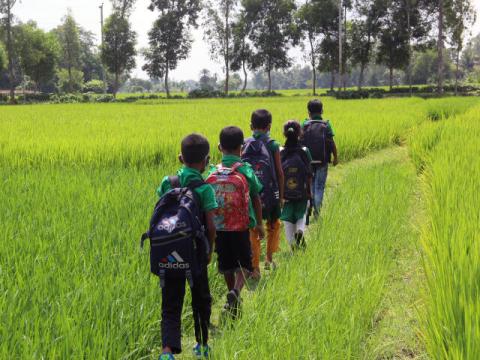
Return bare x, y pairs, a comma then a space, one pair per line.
296, 165
240, 209
263, 154
194, 157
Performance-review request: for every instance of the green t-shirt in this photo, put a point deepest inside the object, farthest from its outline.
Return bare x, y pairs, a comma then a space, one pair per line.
330, 130
205, 193
254, 185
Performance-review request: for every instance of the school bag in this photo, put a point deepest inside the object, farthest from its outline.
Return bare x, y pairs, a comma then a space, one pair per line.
177, 234
256, 153
315, 139
232, 193
296, 169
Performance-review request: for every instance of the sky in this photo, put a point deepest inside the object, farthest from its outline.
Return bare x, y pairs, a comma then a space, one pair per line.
49, 13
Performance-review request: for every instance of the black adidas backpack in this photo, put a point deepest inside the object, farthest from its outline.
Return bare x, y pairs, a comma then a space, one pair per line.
256, 153
296, 169
315, 139
177, 234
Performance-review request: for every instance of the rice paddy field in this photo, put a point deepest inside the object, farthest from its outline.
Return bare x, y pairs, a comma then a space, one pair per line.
391, 270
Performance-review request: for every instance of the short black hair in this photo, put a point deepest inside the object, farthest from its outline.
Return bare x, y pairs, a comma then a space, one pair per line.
315, 107
195, 148
231, 138
261, 118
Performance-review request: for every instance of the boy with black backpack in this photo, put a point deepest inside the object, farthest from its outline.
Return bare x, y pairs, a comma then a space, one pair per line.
263, 154
180, 249
298, 181
240, 209
318, 138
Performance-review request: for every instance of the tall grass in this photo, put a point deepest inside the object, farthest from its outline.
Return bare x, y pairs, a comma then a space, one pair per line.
321, 304
78, 184
126, 135
451, 239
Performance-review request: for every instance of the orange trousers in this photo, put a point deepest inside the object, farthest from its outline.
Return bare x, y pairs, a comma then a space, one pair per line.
273, 241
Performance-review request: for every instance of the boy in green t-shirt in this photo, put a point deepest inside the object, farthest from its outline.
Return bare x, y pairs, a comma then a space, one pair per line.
194, 157
233, 243
272, 197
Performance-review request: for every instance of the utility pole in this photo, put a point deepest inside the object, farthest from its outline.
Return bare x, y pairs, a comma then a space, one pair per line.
340, 43
101, 34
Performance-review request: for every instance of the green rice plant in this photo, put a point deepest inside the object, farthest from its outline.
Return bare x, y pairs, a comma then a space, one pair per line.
321, 303
133, 135
78, 186
451, 241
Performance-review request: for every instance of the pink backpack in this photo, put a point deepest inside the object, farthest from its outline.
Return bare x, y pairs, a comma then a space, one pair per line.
232, 193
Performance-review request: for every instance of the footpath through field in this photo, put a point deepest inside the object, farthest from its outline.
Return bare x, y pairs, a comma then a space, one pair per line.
353, 292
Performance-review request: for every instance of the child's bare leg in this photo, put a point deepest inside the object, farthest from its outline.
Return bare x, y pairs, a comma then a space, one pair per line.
230, 280
240, 276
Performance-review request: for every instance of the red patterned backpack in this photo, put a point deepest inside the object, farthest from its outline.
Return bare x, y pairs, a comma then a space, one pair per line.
232, 193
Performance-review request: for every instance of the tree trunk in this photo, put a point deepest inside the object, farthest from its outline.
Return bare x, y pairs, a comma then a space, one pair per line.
344, 77
167, 90
11, 72
457, 75
70, 81
440, 47
409, 65
115, 86
360, 77
314, 64
332, 79
391, 78
340, 44
227, 46
269, 80
244, 77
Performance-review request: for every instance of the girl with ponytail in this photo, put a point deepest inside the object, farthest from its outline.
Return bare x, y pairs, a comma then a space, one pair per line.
296, 164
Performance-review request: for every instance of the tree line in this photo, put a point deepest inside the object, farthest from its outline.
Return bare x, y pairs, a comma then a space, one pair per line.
343, 41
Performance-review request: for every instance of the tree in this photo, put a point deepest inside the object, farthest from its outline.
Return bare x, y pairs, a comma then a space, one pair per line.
38, 53
70, 81
169, 39
70, 50
459, 16
242, 52
207, 81
90, 58
364, 32
3, 57
123, 7
218, 32
309, 20
118, 49
329, 61
6, 7
393, 50
272, 32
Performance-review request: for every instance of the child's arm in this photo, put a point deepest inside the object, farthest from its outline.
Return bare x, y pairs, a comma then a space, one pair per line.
257, 206
334, 152
211, 232
280, 176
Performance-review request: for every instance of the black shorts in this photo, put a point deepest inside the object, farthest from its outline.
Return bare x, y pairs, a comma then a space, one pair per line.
234, 251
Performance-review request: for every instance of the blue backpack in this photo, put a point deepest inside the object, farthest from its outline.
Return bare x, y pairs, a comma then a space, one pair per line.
177, 234
256, 153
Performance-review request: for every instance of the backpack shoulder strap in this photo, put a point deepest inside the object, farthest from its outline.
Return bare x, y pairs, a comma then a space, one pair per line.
236, 166
196, 184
